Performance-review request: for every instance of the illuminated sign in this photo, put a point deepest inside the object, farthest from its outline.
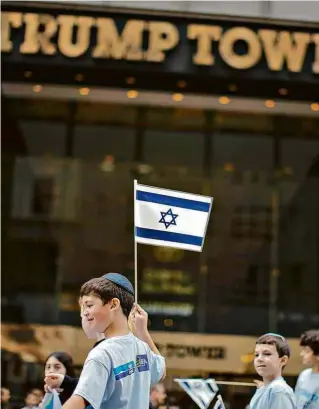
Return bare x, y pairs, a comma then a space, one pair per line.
151, 41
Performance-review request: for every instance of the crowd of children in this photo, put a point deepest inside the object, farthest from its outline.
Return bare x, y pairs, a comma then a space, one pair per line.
124, 363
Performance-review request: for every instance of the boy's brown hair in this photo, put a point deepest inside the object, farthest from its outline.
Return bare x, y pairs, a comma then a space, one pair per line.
279, 341
311, 339
106, 290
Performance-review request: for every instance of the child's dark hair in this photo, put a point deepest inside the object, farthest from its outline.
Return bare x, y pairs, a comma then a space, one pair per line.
311, 339
65, 359
275, 339
106, 290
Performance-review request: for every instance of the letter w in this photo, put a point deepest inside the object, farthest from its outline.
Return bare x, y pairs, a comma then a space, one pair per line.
284, 46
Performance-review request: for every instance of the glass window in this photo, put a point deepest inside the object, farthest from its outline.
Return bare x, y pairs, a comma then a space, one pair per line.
43, 137
104, 132
242, 152
170, 148
299, 155
96, 143
39, 126
66, 220
174, 138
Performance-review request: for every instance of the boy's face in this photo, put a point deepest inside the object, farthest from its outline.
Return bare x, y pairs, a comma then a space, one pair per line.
31, 400
5, 395
307, 356
267, 362
96, 315
85, 323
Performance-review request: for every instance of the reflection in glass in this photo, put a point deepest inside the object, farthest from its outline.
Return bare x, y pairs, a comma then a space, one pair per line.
69, 218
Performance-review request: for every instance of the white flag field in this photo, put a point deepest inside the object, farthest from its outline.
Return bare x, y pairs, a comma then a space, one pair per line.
204, 392
170, 218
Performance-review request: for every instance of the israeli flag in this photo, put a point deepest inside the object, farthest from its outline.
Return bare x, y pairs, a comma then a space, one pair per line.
51, 400
219, 404
203, 392
170, 218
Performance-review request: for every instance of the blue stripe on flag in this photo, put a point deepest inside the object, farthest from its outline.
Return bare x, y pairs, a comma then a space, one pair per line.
192, 393
172, 201
168, 236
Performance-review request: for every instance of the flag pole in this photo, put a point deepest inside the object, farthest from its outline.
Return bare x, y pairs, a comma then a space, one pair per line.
135, 244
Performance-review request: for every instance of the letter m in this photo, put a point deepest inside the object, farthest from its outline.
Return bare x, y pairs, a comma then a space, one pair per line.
111, 44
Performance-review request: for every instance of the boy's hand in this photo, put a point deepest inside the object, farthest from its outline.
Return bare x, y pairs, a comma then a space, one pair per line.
258, 383
139, 320
53, 381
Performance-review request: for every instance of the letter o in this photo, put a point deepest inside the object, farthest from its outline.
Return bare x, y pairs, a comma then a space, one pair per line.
226, 48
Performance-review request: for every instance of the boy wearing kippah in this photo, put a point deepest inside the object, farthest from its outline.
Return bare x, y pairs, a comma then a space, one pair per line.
120, 370
307, 388
271, 356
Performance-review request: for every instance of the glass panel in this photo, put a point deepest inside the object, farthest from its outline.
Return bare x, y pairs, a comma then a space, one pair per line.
69, 219
298, 156
36, 127
43, 137
104, 144
161, 149
242, 152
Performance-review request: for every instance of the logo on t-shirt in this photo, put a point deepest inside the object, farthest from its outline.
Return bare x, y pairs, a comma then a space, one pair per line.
124, 370
308, 397
127, 369
142, 363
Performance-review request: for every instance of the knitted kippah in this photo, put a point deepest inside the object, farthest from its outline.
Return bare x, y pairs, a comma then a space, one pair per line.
121, 281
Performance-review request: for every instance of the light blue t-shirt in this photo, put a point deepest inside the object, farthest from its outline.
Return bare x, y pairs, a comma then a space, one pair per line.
307, 390
118, 374
276, 395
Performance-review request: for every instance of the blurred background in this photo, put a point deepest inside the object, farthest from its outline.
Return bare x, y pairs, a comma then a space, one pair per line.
191, 96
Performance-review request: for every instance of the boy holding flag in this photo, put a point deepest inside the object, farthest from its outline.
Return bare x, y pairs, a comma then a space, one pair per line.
119, 371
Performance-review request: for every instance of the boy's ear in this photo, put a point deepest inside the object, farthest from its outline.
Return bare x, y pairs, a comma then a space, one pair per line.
284, 360
115, 303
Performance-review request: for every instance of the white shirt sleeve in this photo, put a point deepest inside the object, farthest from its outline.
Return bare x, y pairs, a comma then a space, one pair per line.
92, 383
157, 367
280, 400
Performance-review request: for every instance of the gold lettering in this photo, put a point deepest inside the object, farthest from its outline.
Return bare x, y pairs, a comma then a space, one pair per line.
226, 48
127, 46
34, 40
284, 46
204, 36
83, 35
8, 21
315, 65
281, 48
163, 36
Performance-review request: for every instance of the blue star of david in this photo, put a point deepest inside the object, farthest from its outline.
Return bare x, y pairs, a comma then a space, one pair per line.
170, 215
